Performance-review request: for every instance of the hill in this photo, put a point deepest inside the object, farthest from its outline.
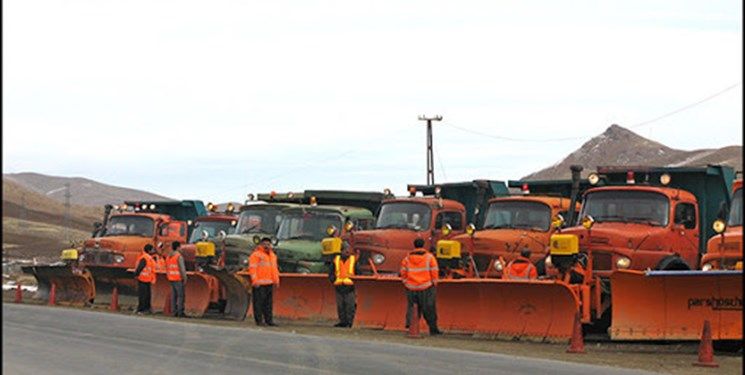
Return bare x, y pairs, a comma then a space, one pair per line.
34, 224
82, 190
620, 146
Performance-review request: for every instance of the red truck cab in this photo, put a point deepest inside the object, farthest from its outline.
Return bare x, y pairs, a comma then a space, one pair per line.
399, 222
125, 236
511, 225
724, 250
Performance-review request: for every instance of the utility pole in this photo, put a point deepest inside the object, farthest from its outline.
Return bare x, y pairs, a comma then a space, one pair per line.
430, 158
67, 212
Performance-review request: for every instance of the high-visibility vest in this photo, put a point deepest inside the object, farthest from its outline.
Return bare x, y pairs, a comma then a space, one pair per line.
344, 269
520, 269
172, 269
262, 267
160, 264
419, 270
147, 274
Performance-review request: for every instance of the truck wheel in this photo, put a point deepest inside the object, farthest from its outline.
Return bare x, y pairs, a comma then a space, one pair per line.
672, 263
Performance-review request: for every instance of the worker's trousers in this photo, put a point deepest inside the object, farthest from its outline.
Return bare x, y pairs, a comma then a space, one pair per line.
262, 301
143, 294
177, 298
426, 304
346, 304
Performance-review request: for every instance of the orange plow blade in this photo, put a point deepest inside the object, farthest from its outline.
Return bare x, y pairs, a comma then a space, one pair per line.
197, 293
541, 310
673, 305
106, 278
235, 292
305, 296
73, 287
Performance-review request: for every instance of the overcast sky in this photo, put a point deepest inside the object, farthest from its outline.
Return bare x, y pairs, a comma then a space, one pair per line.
215, 99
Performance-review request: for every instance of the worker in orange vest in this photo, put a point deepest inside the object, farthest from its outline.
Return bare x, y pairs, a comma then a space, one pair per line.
262, 267
344, 266
419, 274
176, 274
520, 268
145, 275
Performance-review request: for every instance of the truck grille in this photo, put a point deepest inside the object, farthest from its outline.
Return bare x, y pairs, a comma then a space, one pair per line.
602, 262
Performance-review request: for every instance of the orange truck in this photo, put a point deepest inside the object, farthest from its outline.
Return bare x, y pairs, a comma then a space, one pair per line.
521, 221
724, 250
400, 220
642, 236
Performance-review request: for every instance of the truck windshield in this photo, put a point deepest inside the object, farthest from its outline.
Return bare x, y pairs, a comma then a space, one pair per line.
735, 212
523, 215
308, 225
403, 215
130, 226
212, 228
259, 221
628, 207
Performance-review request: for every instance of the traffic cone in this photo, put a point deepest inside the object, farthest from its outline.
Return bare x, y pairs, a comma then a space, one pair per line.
19, 294
167, 310
53, 295
114, 299
414, 324
577, 343
706, 349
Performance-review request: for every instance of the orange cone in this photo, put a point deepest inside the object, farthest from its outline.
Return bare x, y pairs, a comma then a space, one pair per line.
167, 310
414, 324
706, 349
19, 294
577, 343
114, 299
53, 295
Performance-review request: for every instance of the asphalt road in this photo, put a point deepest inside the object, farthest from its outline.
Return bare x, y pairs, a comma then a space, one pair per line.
40, 339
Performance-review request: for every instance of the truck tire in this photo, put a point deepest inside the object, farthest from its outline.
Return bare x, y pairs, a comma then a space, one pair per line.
672, 263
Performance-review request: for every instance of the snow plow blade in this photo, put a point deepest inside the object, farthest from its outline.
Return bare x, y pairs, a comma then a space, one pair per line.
106, 278
305, 296
197, 293
539, 310
673, 305
235, 292
73, 287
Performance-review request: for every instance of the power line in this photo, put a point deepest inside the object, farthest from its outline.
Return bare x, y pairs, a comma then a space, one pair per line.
681, 109
647, 122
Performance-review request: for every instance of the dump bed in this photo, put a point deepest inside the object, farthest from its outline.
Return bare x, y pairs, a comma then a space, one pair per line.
366, 199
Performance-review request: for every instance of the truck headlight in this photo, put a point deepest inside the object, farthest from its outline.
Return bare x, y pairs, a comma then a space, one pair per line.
378, 258
548, 261
118, 258
623, 263
498, 265
707, 267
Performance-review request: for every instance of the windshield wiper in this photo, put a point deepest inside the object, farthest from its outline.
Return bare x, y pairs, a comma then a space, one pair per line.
609, 218
529, 227
396, 226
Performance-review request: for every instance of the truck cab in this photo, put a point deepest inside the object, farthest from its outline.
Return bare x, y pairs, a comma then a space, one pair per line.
649, 218
212, 227
724, 250
125, 235
401, 220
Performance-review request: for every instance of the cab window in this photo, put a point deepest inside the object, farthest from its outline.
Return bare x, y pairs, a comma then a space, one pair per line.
685, 214
449, 217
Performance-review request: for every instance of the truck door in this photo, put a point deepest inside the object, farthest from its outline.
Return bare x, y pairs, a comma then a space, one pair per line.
687, 238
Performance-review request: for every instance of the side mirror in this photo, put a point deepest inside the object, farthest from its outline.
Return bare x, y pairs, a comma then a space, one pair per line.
221, 235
